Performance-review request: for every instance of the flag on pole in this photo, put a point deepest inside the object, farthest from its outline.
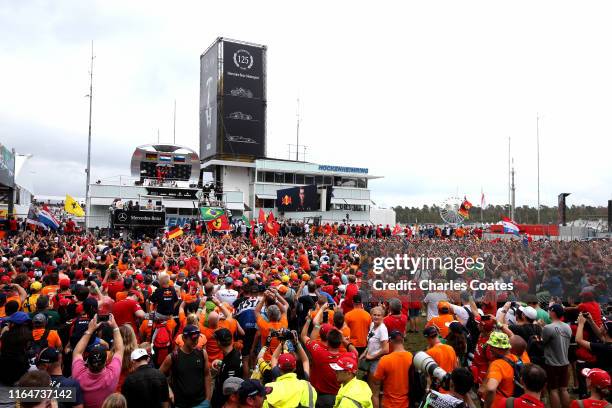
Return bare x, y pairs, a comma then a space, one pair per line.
219, 224
271, 226
33, 218
72, 207
482, 199
510, 227
175, 233
45, 217
397, 229
464, 209
262, 217
211, 213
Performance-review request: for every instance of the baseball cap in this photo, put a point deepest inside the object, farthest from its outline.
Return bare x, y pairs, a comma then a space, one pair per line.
395, 334
191, 330
39, 319
36, 286
228, 281
558, 309
287, 362
64, 283
598, 377
499, 340
325, 329
251, 388
48, 355
431, 331
97, 356
18, 318
138, 354
231, 385
529, 312
444, 307
346, 362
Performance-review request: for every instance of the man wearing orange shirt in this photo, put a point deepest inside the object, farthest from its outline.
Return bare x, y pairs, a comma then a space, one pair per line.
358, 320
392, 373
499, 382
443, 354
444, 316
42, 336
277, 319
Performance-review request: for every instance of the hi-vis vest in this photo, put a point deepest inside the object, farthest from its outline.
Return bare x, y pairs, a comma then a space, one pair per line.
289, 392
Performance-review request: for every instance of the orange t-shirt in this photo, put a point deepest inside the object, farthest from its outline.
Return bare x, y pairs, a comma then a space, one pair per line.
201, 341
53, 339
8, 299
444, 355
50, 290
264, 329
440, 322
358, 320
146, 329
330, 315
212, 347
503, 372
392, 370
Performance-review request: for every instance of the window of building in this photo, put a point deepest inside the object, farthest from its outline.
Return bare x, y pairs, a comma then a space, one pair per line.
299, 179
337, 181
327, 180
309, 180
318, 180
279, 177
349, 182
362, 183
289, 178
261, 176
269, 177
185, 211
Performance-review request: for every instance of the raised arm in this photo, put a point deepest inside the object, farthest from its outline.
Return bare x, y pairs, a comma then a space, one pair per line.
82, 344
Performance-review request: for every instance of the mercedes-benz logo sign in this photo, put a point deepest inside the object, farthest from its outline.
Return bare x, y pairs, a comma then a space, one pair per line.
122, 217
243, 59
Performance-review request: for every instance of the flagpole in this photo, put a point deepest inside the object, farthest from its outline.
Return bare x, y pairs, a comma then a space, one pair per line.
87, 181
538, 153
481, 204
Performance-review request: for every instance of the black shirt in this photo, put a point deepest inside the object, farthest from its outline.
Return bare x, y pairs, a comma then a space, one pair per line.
145, 387
603, 352
164, 298
526, 330
230, 367
59, 381
188, 378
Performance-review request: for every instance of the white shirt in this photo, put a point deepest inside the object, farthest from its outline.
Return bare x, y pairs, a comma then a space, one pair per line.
375, 341
227, 295
461, 314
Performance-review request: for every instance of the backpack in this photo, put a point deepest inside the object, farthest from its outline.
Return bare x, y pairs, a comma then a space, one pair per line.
36, 346
161, 342
535, 348
516, 367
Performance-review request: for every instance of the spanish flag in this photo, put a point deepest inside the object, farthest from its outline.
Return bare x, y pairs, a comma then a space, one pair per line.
176, 232
72, 207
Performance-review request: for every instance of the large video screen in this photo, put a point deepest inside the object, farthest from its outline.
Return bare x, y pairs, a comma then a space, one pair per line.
303, 198
209, 79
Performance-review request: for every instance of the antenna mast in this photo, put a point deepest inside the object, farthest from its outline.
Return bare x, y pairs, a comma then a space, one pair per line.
88, 170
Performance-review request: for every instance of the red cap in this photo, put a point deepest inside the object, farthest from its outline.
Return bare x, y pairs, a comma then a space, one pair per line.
78, 275
346, 362
5, 279
598, 377
325, 329
139, 277
64, 283
37, 264
58, 261
287, 362
319, 282
192, 284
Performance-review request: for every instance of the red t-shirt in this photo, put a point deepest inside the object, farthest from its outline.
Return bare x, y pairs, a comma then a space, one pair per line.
396, 322
112, 287
589, 403
351, 290
124, 310
325, 379
593, 309
526, 401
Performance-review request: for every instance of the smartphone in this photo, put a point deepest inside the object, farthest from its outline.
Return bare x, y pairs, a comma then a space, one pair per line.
103, 318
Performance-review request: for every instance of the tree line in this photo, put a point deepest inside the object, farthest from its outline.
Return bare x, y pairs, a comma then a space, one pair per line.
494, 213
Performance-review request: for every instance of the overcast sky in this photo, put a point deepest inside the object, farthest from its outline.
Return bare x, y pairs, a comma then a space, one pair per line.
423, 93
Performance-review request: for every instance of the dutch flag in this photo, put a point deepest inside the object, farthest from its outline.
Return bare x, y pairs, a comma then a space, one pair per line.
46, 218
510, 227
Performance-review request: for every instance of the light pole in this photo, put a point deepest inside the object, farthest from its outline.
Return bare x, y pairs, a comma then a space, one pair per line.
88, 170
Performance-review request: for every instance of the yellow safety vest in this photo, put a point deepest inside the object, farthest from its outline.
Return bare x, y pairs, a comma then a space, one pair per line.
289, 392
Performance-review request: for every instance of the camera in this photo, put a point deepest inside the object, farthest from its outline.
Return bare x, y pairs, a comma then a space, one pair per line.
424, 363
281, 334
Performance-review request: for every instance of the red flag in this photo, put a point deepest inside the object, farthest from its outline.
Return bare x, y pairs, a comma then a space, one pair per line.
397, 229
252, 230
262, 216
219, 224
271, 226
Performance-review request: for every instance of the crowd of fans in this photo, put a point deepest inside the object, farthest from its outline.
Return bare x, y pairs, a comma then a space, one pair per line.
251, 320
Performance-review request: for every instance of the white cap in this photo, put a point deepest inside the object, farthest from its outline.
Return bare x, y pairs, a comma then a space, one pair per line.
529, 312
138, 354
215, 271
